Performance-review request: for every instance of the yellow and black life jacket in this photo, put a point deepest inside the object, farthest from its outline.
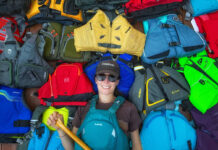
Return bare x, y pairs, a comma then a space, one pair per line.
65, 8
100, 34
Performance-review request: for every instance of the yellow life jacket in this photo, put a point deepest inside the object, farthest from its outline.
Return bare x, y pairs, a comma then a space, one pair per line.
55, 5
118, 36
64, 111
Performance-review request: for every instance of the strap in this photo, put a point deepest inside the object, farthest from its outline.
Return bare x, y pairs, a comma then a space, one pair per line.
158, 83
37, 114
128, 63
194, 65
216, 62
189, 145
117, 103
93, 103
22, 123
173, 43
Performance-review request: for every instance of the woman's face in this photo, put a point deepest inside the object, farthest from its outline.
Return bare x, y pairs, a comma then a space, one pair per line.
106, 87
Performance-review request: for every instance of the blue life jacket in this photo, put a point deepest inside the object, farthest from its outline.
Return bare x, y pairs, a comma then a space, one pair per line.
167, 37
200, 7
167, 130
100, 129
126, 71
15, 116
45, 139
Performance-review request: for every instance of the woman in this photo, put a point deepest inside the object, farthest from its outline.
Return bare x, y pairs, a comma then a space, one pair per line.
107, 79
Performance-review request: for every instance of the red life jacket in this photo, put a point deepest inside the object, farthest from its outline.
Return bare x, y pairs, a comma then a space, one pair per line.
207, 24
134, 5
68, 85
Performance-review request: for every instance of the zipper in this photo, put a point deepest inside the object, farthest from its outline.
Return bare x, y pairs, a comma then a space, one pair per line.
174, 131
47, 142
168, 128
62, 36
196, 67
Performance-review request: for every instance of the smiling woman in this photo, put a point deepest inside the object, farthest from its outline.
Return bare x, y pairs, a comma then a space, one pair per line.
107, 120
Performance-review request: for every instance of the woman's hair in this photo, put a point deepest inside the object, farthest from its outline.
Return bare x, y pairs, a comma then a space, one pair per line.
117, 92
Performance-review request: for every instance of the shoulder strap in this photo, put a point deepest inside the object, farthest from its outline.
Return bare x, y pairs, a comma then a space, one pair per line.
117, 103
93, 103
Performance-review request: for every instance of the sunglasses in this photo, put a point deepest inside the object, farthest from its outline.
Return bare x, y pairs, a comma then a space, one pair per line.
102, 77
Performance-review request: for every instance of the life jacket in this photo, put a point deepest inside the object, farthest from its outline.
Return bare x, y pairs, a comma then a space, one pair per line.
14, 7
56, 41
167, 130
156, 87
22, 66
15, 115
100, 128
126, 71
206, 128
63, 11
17, 25
174, 39
200, 7
68, 85
207, 25
100, 34
147, 9
44, 139
201, 73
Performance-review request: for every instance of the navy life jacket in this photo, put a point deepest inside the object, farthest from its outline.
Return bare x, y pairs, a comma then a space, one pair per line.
126, 71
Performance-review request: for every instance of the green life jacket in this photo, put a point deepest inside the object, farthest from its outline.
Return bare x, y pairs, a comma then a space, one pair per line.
56, 41
201, 72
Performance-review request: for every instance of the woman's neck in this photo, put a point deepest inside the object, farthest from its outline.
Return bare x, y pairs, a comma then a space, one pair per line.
106, 98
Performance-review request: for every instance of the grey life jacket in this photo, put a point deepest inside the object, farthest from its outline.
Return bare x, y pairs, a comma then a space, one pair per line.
22, 66
156, 87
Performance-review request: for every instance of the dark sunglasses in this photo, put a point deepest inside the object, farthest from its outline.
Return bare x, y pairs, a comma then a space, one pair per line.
102, 77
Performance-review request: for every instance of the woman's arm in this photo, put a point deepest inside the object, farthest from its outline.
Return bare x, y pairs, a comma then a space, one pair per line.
136, 142
67, 142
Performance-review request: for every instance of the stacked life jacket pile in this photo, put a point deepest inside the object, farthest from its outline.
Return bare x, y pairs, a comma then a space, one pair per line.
166, 67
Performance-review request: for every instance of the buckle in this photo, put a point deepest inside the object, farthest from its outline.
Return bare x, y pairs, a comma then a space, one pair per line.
159, 64
174, 43
164, 25
202, 82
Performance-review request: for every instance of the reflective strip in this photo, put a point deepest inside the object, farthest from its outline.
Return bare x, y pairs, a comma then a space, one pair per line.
138, 68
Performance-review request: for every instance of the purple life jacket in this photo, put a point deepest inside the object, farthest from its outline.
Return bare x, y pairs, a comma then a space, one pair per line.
207, 128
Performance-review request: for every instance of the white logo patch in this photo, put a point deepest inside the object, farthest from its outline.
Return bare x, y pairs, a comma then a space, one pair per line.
113, 133
98, 124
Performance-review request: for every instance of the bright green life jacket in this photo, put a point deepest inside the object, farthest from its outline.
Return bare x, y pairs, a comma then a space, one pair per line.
201, 72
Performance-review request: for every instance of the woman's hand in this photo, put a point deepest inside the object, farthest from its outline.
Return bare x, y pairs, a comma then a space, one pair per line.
53, 119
